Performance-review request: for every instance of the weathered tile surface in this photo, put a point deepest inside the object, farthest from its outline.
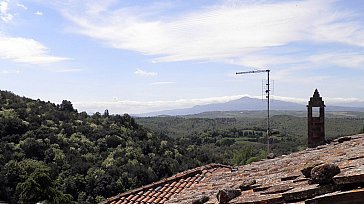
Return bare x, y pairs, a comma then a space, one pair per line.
161, 191
278, 180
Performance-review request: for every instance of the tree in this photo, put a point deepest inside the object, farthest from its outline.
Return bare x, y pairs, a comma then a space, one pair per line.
241, 157
37, 187
225, 142
113, 140
33, 148
30, 181
66, 106
106, 113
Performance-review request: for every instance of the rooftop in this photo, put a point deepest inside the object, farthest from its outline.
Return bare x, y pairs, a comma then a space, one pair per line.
277, 180
161, 191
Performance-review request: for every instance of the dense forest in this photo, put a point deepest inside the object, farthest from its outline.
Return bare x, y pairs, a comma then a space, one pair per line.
289, 131
55, 154
52, 153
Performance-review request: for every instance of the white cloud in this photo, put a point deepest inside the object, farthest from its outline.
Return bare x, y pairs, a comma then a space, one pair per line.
39, 13
141, 72
136, 107
220, 32
26, 50
4, 11
22, 6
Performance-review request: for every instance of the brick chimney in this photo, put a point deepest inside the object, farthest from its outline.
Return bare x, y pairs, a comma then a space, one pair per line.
316, 120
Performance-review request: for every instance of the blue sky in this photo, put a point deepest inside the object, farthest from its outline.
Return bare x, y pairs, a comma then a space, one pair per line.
141, 56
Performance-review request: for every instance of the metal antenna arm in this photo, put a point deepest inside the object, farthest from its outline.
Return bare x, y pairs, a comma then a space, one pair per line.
254, 71
267, 91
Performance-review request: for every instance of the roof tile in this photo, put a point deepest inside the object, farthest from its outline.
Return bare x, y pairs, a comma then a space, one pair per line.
158, 200
161, 191
163, 194
278, 180
146, 199
151, 199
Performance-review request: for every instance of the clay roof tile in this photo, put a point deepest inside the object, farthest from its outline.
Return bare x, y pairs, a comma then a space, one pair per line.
168, 189
123, 202
179, 190
129, 197
173, 190
188, 179
151, 200
161, 191
183, 185
158, 200
163, 194
146, 193
135, 197
146, 199
163, 200
157, 194
168, 195
163, 188
173, 184
140, 198
189, 184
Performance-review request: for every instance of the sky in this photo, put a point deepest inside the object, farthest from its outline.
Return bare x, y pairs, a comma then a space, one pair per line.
137, 56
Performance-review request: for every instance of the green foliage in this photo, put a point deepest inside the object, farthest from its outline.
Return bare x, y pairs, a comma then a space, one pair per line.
247, 155
249, 128
30, 181
225, 142
66, 106
53, 154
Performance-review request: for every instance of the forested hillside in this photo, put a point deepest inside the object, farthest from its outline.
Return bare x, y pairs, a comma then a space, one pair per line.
52, 153
249, 128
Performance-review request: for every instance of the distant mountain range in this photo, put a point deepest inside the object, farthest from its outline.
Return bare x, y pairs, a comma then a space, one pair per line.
246, 104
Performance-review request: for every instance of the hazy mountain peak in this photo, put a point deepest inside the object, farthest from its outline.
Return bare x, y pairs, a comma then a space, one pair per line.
244, 103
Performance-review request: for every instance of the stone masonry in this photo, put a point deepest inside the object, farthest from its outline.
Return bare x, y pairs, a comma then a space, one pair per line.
316, 123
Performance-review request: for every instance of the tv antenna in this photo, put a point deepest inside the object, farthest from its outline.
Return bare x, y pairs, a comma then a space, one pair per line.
267, 91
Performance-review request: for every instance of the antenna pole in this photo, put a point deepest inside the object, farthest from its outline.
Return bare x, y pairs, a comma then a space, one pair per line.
268, 125
267, 91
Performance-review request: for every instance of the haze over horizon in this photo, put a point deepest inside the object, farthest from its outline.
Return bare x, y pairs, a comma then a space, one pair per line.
141, 56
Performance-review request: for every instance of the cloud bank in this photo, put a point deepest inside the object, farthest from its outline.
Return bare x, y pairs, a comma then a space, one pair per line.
26, 50
138, 107
240, 32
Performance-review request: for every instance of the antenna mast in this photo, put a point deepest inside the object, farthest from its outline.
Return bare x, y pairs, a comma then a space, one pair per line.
267, 91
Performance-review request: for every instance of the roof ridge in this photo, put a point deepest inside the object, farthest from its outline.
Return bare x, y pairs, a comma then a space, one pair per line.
175, 177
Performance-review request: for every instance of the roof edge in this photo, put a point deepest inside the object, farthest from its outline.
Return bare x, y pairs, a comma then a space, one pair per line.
178, 176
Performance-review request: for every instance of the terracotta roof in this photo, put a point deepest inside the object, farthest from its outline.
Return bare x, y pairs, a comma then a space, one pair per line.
161, 191
277, 180
280, 180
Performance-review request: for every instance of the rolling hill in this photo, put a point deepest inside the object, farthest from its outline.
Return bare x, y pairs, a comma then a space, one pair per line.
244, 104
